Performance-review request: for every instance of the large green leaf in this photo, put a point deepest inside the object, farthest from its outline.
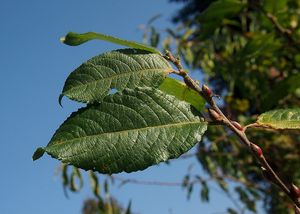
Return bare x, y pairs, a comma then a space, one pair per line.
126, 68
75, 39
280, 119
182, 92
127, 131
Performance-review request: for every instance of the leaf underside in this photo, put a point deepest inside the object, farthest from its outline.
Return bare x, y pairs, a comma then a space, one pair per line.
127, 131
280, 119
182, 92
120, 69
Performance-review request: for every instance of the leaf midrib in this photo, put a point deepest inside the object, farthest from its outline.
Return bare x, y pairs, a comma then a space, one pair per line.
59, 143
281, 122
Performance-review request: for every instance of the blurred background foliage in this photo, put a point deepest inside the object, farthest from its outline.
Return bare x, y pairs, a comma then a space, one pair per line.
248, 51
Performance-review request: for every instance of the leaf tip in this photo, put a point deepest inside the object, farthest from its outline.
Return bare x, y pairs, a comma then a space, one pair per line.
128, 210
60, 99
72, 39
38, 153
62, 39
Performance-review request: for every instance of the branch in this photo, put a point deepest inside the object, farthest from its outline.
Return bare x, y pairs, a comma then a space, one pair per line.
178, 184
285, 32
142, 182
124, 181
217, 115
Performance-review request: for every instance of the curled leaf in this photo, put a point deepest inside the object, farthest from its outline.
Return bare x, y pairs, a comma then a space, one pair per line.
94, 184
75, 39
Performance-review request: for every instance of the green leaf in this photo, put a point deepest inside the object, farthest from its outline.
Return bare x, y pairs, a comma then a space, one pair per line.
212, 17
65, 178
190, 188
231, 211
75, 39
186, 181
128, 210
127, 131
260, 44
204, 193
244, 197
182, 92
39, 152
73, 184
154, 37
221, 9
280, 119
106, 187
126, 68
281, 90
275, 7
94, 184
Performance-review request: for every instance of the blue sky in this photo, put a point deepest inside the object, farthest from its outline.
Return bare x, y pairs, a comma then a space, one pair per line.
34, 66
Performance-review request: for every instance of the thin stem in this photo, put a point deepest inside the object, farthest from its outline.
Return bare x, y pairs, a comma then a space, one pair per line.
285, 32
218, 116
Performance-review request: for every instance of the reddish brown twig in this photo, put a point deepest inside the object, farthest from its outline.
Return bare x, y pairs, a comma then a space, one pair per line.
217, 115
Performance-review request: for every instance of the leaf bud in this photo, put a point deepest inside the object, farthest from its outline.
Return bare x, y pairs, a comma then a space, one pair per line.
295, 191
237, 125
206, 91
258, 151
214, 115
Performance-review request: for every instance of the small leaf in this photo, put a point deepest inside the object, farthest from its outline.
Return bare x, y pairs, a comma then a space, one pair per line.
231, 211
182, 92
275, 7
126, 68
154, 18
190, 191
221, 9
106, 187
75, 39
204, 193
39, 152
64, 174
280, 119
65, 178
222, 184
154, 38
76, 174
128, 210
94, 184
185, 181
260, 44
127, 131
282, 89
212, 17
244, 197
